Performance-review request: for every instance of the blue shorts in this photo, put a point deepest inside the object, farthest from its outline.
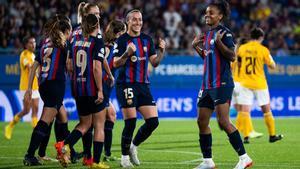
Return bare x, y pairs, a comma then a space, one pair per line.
86, 105
52, 93
210, 98
134, 95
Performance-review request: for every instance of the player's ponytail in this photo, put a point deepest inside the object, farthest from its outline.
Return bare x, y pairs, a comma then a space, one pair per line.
223, 7
55, 28
89, 24
113, 28
83, 10
80, 12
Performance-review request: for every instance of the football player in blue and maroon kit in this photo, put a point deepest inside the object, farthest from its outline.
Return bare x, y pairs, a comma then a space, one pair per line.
113, 31
52, 65
216, 47
133, 51
87, 53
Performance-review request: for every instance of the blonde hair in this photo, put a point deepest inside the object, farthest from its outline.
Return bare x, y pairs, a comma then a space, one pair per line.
130, 12
83, 10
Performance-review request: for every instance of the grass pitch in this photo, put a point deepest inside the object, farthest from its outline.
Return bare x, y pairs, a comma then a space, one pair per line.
174, 145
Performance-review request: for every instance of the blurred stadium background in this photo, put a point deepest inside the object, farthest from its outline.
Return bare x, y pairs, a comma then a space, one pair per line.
175, 82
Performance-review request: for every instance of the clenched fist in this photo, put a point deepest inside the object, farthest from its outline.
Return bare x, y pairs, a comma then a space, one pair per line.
131, 49
162, 44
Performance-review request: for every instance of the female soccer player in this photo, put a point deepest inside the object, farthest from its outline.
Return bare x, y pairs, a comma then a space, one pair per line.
26, 62
52, 63
83, 10
243, 119
61, 120
87, 55
134, 50
217, 51
252, 57
113, 31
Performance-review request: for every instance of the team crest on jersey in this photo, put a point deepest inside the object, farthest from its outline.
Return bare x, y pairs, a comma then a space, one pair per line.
129, 101
145, 48
133, 58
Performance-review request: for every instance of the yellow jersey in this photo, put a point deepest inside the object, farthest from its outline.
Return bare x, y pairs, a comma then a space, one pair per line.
235, 71
26, 61
252, 57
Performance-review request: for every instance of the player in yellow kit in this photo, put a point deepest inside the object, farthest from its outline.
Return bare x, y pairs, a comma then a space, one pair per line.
252, 57
26, 61
243, 120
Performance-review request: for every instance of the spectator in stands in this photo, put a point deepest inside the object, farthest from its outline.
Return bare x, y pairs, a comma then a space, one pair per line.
21, 18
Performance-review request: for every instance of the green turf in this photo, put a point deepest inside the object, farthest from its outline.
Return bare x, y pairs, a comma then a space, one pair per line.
175, 145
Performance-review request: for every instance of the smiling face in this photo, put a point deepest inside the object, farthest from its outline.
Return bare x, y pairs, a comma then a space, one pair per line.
213, 16
135, 22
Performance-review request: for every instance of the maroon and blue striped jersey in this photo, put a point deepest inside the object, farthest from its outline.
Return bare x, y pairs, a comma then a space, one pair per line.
52, 61
217, 71
110, 60
83, 51
110, 53
135, 69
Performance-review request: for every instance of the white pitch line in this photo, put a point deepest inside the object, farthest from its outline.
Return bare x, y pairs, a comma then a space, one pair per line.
173, 151
191, 161
18, 158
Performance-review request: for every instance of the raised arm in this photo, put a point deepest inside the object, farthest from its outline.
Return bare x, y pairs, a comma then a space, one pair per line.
157, 58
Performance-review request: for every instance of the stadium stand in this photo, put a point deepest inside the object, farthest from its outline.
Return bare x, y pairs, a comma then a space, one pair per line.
178, 20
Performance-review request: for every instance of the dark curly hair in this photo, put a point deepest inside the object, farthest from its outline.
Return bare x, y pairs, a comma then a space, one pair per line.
223, 7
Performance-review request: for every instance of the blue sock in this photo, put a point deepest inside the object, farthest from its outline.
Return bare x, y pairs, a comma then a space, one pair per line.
109, 125
127, 135
237, 143
39, 132
205, 144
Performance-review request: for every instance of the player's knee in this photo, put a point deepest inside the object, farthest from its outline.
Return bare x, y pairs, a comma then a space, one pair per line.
223, 124
26, 110
202, 125
152, 123
83, 126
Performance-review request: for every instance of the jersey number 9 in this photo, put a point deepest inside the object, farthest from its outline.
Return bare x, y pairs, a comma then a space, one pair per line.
81, 61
